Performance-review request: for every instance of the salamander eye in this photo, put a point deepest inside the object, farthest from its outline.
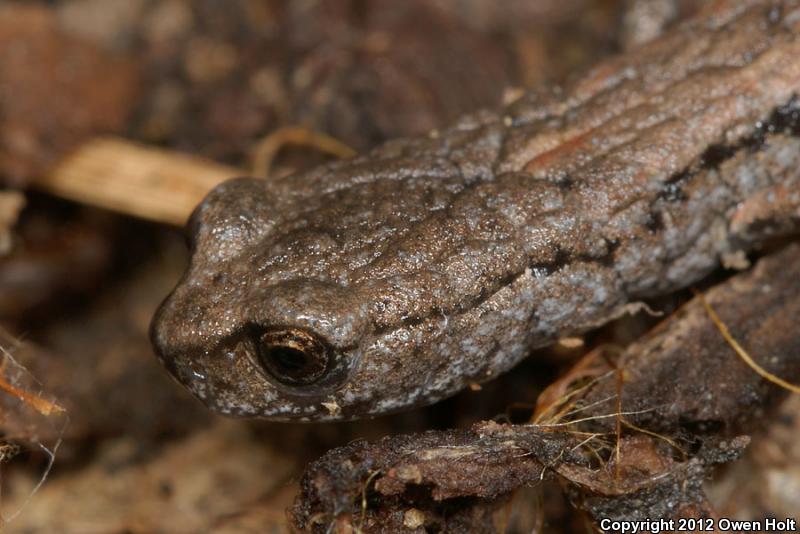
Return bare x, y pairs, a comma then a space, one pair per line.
293, 357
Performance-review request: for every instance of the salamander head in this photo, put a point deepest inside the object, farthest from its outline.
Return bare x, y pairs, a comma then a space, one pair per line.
287, 312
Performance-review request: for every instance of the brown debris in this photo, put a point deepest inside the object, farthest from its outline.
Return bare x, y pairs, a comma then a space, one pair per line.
55, 256
96, 364
687, 377
361, 72
422, 472
191, 485
128, 392
11, 203
764, 483
55, 92
451, 475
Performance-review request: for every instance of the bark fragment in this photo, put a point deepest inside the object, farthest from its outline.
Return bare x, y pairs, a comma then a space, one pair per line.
55, 91
686, 376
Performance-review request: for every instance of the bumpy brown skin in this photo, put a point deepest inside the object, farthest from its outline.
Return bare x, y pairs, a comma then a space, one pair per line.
437, 261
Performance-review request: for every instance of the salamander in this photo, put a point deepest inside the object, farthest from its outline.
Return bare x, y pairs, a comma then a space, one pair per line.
398, 277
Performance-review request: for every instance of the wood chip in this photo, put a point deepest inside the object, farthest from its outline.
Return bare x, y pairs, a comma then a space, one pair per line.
151, 183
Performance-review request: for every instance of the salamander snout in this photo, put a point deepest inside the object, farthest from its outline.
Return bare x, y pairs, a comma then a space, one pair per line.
282, 351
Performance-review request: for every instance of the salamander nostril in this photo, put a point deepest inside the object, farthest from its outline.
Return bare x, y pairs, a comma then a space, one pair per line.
293, 357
